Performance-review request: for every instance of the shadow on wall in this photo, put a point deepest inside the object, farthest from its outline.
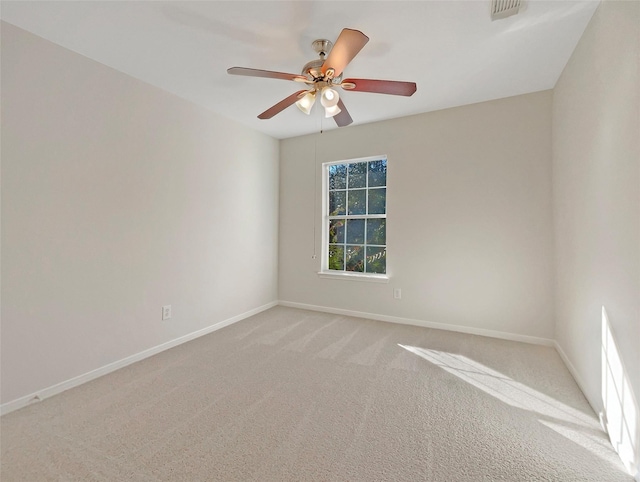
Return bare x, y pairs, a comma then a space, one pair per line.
620, 415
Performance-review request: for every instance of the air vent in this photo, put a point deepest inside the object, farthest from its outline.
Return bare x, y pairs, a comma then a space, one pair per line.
504, 8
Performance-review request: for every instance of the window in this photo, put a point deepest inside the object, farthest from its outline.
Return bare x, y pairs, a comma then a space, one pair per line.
355, 221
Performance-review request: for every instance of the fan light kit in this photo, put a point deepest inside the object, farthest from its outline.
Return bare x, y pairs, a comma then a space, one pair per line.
322, 75
329, 101
306, 103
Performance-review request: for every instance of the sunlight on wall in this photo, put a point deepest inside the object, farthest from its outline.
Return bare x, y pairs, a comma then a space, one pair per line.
620, 407
564, 419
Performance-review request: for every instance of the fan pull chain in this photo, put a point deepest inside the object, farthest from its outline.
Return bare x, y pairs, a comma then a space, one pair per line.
315, 189
315, 196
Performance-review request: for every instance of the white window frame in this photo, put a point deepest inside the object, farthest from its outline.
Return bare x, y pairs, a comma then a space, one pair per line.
325, 272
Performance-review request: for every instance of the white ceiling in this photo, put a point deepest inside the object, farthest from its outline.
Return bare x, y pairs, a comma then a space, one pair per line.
451, 49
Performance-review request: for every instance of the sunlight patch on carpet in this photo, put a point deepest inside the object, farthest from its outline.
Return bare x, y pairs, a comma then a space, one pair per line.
563, 419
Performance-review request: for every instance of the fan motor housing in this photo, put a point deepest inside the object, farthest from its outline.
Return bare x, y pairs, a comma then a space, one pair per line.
313, 69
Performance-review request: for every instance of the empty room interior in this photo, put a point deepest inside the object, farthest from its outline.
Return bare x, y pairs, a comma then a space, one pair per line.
428, 268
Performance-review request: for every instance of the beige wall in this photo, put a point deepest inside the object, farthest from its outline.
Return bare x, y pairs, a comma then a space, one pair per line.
596, 171
469, 217
118, 198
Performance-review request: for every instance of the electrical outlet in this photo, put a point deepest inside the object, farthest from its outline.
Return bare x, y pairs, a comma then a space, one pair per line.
397, 293
166, 312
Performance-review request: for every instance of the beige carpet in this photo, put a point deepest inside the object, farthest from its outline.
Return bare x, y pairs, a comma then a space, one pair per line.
297, 395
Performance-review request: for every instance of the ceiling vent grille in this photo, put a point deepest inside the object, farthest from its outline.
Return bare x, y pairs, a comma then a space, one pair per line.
504, 8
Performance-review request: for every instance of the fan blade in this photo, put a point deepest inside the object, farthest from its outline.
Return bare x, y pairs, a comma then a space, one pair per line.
349, 43
392, 87
282, 105
342, 118
265, 73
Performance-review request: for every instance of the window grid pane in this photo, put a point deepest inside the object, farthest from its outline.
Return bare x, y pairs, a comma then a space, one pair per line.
376, 259
356, 220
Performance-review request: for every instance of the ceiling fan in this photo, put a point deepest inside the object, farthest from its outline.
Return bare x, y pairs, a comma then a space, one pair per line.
322, 75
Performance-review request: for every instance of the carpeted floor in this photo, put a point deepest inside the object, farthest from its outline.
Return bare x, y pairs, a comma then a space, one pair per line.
297, 395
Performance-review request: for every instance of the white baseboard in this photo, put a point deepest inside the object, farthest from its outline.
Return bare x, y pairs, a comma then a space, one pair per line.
111, 367
597, 408
426, 324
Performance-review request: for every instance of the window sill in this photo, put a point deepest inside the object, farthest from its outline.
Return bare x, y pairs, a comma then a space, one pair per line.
371, 278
